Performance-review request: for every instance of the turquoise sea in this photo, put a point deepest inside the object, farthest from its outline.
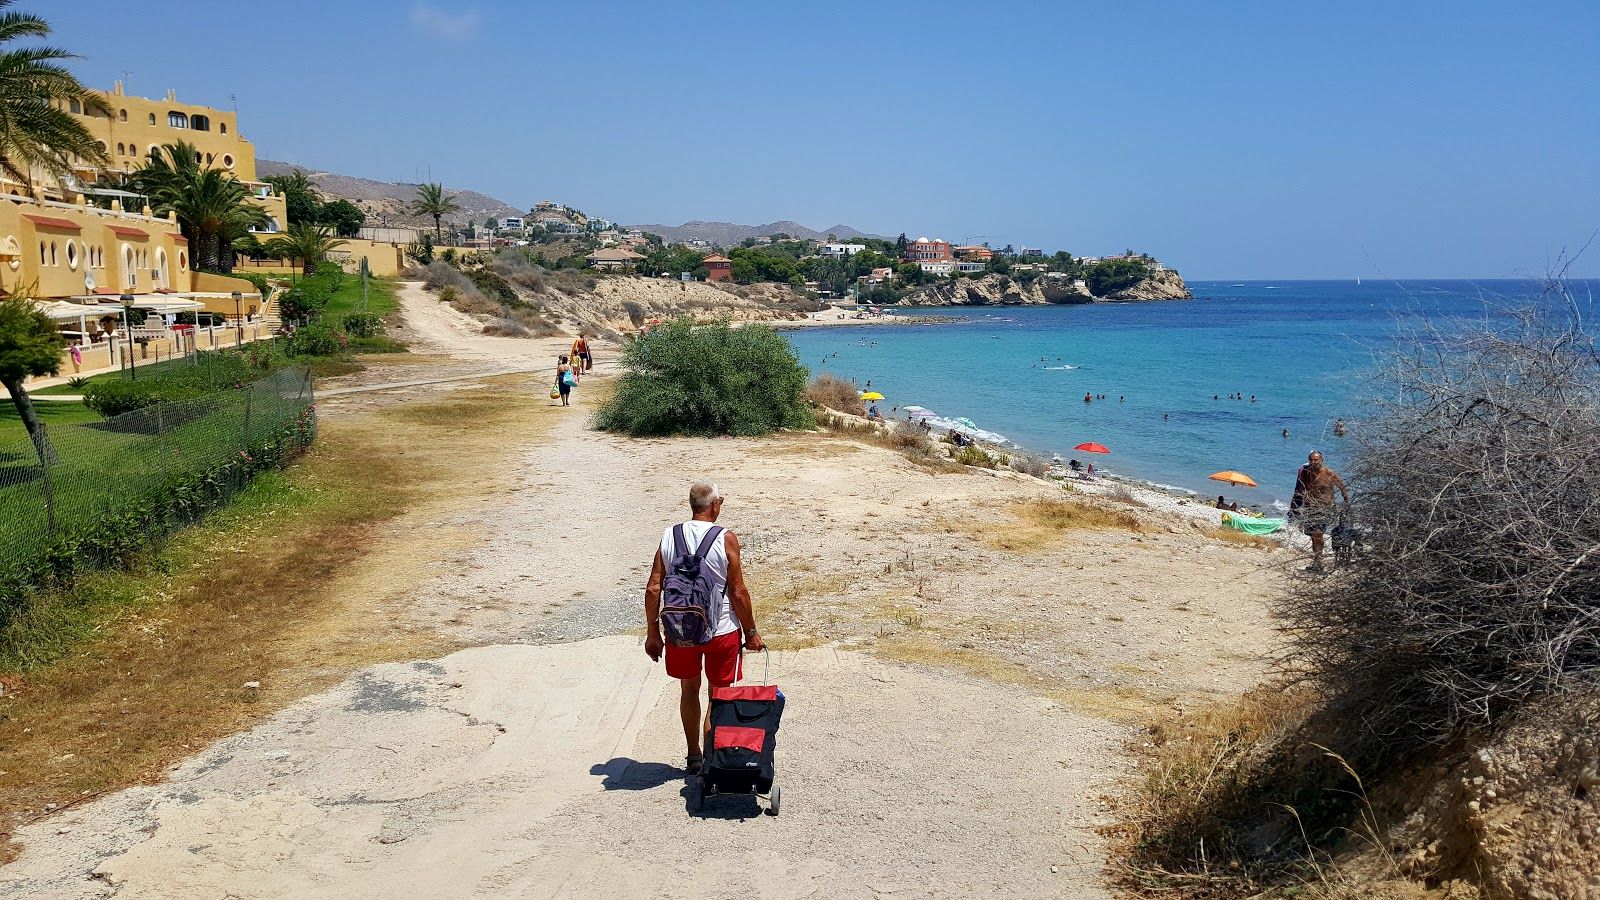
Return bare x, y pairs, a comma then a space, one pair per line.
1301, 348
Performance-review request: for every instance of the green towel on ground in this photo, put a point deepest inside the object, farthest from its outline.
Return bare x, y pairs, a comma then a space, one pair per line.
1253, 526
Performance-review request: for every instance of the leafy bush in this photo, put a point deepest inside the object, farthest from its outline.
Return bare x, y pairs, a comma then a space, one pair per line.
973, 456
211, 373
362, 325
317, 339
115, 397
1111, 275
835, 393
713, 379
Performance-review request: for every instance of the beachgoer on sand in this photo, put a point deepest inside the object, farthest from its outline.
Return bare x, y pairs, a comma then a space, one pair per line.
873, 414
1314, 505
565, 381
582, 359
731, 611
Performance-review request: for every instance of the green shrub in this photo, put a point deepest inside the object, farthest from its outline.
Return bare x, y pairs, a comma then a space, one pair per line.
972, 456
362, 325
317, 339
113, 398
712, 379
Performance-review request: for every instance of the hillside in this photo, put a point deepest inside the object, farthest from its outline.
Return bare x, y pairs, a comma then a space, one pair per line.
386, 202
727, 233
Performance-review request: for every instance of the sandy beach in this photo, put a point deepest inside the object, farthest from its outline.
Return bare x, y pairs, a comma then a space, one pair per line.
956, 672
838, 315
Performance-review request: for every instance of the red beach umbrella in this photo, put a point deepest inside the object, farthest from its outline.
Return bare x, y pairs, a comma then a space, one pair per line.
1092, 447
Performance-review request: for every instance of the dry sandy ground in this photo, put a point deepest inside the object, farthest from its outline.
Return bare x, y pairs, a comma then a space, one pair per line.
957, 707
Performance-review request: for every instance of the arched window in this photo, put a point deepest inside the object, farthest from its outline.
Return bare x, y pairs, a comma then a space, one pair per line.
152, 118
122, 115
155, 152
177, 119
227, 160
14, 250
54, 259
222, 127
161, 267
197, 156
200, 123
75, 106
183, 260
121, 150
72, 256
208, 159
130, 269
44, 254
102, 146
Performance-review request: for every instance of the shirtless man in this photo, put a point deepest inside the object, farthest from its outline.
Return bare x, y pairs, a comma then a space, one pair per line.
1313, 503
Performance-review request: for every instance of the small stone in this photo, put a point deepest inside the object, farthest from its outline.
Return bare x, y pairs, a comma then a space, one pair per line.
1054, 870
63, 830
252, 685
49, 806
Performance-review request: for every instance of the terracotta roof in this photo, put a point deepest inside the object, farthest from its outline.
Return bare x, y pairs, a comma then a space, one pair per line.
179, 239
714, 258
52, 222
125, 231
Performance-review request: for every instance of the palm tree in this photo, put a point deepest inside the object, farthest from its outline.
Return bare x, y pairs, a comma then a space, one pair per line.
35, 128
214, 209
304, 242
433, 201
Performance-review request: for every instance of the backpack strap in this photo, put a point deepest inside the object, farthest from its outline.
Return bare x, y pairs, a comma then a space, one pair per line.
680, 546
705, 542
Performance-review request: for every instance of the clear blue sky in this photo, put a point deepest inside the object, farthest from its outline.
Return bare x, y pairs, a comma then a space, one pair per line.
1235, 140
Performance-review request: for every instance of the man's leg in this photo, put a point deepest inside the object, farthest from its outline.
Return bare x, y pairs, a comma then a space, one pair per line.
689, 711
1316, 547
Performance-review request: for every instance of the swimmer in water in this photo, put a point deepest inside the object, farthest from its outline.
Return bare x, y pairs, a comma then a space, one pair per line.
1087, 398
1286, 432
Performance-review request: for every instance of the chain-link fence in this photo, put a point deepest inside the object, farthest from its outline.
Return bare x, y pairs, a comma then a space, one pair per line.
84, 495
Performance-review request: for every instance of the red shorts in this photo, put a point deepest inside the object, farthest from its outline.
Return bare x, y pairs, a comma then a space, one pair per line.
721, 660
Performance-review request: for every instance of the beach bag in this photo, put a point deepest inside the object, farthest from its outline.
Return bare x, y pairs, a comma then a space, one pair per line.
567, 379
554, 394
689, 592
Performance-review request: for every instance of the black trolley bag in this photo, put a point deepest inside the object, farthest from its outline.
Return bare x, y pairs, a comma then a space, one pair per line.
742, 743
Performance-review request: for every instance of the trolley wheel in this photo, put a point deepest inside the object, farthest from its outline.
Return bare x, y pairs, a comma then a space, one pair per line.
772, 802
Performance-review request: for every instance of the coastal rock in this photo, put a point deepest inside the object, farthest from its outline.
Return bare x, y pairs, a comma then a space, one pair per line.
1166, 284
1008, 290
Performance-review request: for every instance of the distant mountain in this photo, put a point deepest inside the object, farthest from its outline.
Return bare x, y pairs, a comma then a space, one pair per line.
728, 234
386, 201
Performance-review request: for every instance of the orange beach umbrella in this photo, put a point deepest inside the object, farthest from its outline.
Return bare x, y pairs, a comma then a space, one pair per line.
1233, 478
1092, 447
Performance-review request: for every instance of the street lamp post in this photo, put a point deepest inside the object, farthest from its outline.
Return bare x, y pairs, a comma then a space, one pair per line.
127, 327
238, 321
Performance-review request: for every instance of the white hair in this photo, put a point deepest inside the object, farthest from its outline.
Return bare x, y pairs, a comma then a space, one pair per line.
702, 494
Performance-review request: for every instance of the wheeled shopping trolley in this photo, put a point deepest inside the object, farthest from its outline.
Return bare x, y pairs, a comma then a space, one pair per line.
741, 745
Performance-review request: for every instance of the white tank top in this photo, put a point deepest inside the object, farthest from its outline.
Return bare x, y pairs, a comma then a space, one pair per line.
716, 558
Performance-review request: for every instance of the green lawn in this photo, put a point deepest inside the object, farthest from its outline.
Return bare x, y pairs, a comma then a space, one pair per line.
98, 471
50, 413
347, 299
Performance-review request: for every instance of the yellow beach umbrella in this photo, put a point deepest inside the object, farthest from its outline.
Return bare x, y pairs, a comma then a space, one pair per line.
872, 395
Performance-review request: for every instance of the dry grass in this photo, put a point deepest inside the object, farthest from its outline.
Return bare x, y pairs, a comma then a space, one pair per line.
1239, 538
1192, 767
1042, 524
286, 588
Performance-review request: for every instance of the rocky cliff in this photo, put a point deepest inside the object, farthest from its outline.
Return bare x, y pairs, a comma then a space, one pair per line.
1006, 290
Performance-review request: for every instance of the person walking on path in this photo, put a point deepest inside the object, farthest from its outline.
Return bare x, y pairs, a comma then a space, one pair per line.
732, 612
565, 381
581, 357
1313, 503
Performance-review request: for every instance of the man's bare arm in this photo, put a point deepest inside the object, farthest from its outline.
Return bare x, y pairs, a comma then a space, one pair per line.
739, 596
652, 608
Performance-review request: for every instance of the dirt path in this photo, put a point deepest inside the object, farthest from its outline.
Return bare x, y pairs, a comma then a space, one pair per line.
541, 762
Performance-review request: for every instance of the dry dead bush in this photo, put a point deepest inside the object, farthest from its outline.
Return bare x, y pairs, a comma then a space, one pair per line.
1029, 464
1479, 496
835, 393
506, 328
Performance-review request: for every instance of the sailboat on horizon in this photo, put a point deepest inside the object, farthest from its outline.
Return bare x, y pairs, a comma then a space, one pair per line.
1358, 281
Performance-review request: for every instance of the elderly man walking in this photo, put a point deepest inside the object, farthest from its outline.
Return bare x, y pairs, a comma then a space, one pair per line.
1314, 505
697, 562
